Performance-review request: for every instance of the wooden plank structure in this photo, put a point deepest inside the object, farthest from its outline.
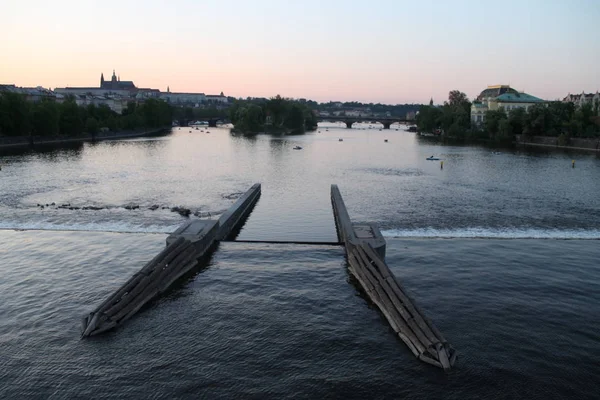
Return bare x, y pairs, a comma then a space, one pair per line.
184, 247
366, 261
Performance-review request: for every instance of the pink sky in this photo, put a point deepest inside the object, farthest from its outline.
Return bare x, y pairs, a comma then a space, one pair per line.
372, 52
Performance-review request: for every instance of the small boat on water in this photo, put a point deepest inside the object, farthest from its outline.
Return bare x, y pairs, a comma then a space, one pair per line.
297, 148
432, 158
340, 140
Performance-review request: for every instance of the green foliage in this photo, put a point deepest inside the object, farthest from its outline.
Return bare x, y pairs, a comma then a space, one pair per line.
456, 98
429, 118
505, 133
396, 110
518, 121
294, 119
15, 115
91, 125
193, 114
19, 117
275, 115
454, 117
249, 118
547, 119
45, 118
492, 121
70, 122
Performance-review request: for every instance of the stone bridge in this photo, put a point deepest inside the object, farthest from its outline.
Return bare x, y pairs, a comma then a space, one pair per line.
385, 121
212, 121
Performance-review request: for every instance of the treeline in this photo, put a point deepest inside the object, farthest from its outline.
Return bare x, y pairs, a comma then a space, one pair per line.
454, 117
19, 117
555, 118
395, 110
196, 113
276, 114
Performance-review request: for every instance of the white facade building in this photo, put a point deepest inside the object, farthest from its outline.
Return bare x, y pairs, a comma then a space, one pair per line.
500, 97
183, 98
216, 98
593, 99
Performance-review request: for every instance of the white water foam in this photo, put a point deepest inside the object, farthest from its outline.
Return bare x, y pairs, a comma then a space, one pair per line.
494, 233
113, 226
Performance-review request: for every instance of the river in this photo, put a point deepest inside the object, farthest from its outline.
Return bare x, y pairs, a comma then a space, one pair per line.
500, 249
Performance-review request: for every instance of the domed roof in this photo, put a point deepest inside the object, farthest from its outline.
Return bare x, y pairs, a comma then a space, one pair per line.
495, 91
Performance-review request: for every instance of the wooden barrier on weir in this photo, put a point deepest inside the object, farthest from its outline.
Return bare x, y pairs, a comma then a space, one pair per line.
184, 247
367, 265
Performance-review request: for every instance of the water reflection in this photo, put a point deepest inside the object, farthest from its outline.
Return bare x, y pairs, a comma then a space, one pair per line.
50, 151
387, 182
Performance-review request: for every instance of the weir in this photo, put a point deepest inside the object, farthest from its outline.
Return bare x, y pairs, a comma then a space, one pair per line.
365, 250
185, 246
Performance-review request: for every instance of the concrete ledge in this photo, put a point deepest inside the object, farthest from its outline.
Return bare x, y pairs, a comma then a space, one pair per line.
343, 223
201, 233
371, 235
185, 246
238, 212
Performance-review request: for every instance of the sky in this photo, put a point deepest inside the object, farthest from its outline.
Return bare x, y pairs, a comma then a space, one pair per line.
380, 51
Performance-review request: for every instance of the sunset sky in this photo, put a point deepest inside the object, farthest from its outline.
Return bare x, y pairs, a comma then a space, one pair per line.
371, 51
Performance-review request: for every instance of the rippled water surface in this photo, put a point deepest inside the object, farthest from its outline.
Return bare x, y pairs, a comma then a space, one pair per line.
481, 244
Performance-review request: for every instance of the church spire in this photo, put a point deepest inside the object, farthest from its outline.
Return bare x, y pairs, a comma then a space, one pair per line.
431, 101
101, 79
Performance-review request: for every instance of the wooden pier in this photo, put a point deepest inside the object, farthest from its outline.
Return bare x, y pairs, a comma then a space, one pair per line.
365, 250
184, 247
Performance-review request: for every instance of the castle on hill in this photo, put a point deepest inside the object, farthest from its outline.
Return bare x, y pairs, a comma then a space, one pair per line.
115, 83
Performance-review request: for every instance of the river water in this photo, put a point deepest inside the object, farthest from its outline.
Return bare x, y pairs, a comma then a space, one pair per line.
500, 248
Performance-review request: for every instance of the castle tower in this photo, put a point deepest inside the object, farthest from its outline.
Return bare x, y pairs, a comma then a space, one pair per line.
114, 77
101, 79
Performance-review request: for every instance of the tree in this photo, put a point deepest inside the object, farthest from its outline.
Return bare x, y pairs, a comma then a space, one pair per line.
429, 118
91, 125
250, 118
517, 120
70, 118
45, 118
277, 110
492, 121
294, 119
457, 98
505, 133
15, 115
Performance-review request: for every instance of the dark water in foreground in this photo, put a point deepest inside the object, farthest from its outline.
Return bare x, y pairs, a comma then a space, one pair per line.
473, 246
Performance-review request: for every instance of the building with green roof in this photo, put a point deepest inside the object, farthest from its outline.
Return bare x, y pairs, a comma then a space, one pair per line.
500, 97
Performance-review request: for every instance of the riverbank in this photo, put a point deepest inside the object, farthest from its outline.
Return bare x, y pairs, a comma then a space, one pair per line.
32, 141
553, 142
535, 141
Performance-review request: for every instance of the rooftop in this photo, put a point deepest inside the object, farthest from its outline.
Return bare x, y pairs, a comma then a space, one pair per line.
518, 98
495, 91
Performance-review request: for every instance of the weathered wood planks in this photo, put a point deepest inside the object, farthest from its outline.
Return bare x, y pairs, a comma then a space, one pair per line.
381, 286
184, 247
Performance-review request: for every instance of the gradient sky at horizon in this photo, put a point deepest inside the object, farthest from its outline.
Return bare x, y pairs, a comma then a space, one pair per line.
387, 51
